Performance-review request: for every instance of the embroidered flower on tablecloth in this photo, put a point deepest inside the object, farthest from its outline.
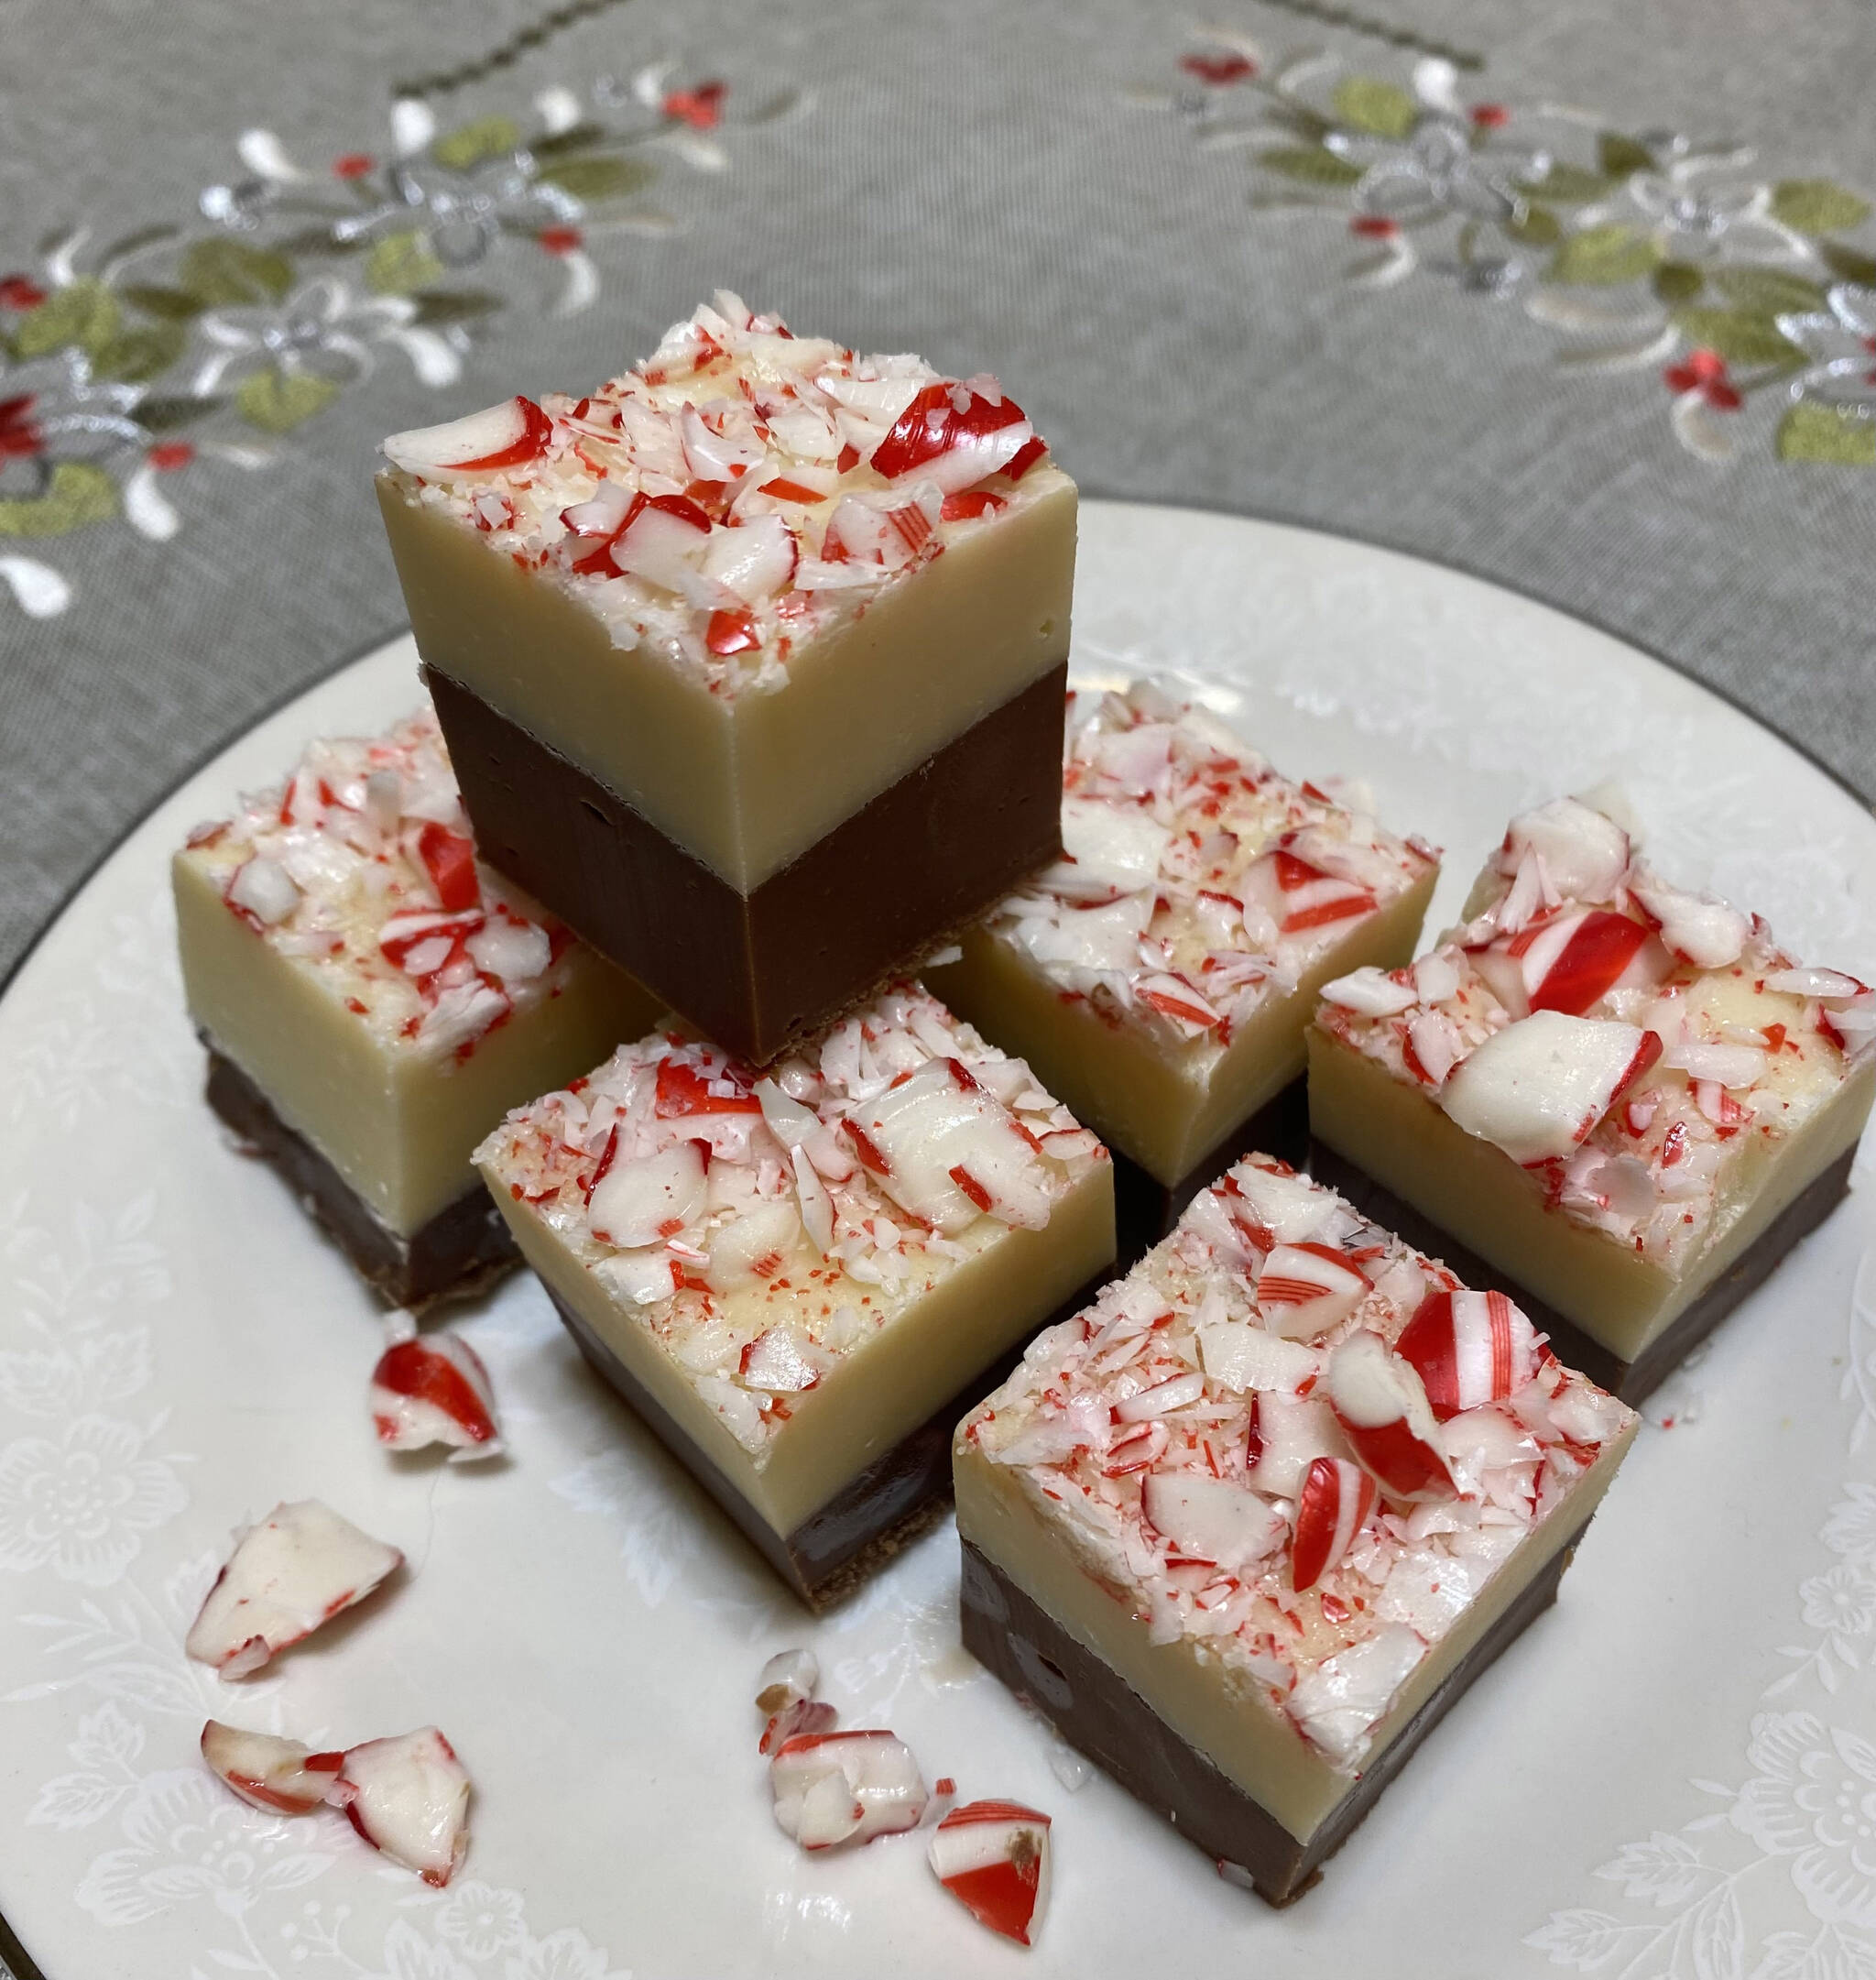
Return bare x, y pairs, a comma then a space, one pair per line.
107, 353
1841, 1601
82, 1504
1814, 1799
1641, 250
481, 1919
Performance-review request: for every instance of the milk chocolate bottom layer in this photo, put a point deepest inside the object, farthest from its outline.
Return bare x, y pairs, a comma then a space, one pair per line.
1632, 1380
869, 1520
463, 1246
1145, 1208
1095, 1710
756, 972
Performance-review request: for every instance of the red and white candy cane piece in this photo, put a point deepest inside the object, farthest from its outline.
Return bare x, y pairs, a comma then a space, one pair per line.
434, 1390
1538, 1087
1211, 1519
409, 1798
1306, 896
280, 1776
298, 1568
507, 435
1335, 1503
954, 436
992, 1856
1382, 1409
804, 1715
1573, 962
1469, 1349
788, 1677
1585, 851
1306, 1289
831, 1788
449, 861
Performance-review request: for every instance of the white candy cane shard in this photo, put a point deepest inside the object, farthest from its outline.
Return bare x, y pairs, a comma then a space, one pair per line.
1385, 1415
1371, 992
788, 1677
1538, 1087
409, 1798
434, 1390
1585, 851
1306, 1289
507, 435
279, 1776
1708, 933
303, 1565
1211, 1519
992, 1856
832, 1787
1469, 1348
804, 1715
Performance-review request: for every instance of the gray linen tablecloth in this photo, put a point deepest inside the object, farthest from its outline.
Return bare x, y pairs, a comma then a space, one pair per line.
1581, 298
1156, 258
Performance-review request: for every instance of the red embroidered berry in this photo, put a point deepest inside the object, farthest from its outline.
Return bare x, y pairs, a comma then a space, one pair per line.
1219, 71
1374, 228
1705, 372
170, 454
353, 165
1491, 117
20, 292
18, 435
560, 240
700, 108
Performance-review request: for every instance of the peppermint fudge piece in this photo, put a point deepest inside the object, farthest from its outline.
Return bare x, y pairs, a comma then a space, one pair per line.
1246, 1528
1161, 976
760, 636
1626, 1101
800, 1281
373, 1000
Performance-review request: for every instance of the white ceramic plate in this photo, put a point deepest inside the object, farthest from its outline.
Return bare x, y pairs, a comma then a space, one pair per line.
178, 1349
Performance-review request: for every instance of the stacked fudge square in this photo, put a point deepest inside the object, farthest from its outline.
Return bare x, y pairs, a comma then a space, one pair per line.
749, 673
752, 664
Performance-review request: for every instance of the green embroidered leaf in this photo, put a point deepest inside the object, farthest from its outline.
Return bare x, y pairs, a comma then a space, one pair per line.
1568, 185
1677, 281
77, 494
277, 401
141, 353
487, 138
164, 415
230, 273
577, 138
1605, 256
453, 306
1846, 262
1739, 337
1382, 109
1766, 291
1536, 227
1832, 434
1310, 163
400, 263
83, 314
1817, 206
1619, 155
320, 241
598, 178
173, 305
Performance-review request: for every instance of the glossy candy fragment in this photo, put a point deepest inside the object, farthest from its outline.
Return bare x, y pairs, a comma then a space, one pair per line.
1306, 1289
506, 435
1213, 1520
300, 1567
1383, 1412
787, 1678
280, 1776
992, 1856
409, 1798
1469, 1349
1335, 1503
433, 1389
1539, 1087
832, 1787
956, 436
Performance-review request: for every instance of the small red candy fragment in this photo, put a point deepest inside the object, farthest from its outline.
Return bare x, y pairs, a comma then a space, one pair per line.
278, 1777
1469, 1349
683, 1090
1383, 1411
1590, 963
434, 1390
449, 861
733, 632
935, 424
992, 1856
1336, 1500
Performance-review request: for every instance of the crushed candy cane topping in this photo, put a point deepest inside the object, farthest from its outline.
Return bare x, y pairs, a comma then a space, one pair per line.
1638, 1049
361, 868
763, 1226
1317, 1495
737, 493
1196, 880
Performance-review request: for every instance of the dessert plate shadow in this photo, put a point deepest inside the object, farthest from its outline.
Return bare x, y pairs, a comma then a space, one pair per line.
1646, 1784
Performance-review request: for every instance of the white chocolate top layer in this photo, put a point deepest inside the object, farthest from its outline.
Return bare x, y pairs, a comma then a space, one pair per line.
1642, 1039
739, 492
1197, 881
765, 1227
1167, 1436
360, 867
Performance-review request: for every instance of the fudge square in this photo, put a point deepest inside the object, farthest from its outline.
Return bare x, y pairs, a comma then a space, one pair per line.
1162, 976
1625, 1101
373, 1001
751, 660
802, 1280
1246, 1528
